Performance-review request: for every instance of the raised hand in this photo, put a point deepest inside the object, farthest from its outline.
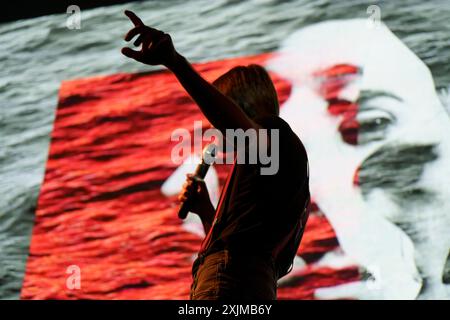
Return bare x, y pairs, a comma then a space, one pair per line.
156, 46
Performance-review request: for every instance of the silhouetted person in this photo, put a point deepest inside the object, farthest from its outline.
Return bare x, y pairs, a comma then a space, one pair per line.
253, 235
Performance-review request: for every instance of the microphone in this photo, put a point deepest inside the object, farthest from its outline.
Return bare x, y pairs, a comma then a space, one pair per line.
208, 156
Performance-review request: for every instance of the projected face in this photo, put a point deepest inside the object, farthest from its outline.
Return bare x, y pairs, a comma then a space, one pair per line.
377, 138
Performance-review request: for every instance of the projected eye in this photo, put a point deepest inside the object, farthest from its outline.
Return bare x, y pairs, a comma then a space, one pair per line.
374, 125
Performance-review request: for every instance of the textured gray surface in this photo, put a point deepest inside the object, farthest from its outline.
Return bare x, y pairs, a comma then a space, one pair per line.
37, 54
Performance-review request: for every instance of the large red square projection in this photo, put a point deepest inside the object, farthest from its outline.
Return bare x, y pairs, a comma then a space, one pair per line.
101, 207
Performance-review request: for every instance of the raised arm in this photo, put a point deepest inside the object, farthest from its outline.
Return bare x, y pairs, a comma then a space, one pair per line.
157, 49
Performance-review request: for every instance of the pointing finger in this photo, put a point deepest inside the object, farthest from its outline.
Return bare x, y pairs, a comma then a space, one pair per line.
134, 18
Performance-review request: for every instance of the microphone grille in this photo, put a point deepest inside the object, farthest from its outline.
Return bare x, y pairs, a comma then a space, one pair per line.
209, 153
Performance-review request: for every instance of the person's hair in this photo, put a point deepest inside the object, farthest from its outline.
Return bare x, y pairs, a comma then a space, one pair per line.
251, 88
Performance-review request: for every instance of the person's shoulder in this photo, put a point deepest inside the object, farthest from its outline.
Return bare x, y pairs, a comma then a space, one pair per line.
289, 141
275, 122
272, 122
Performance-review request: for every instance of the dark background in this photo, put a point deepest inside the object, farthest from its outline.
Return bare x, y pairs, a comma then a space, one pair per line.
21, 9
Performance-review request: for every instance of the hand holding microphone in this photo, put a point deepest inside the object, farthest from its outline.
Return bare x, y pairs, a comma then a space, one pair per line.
195, 197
